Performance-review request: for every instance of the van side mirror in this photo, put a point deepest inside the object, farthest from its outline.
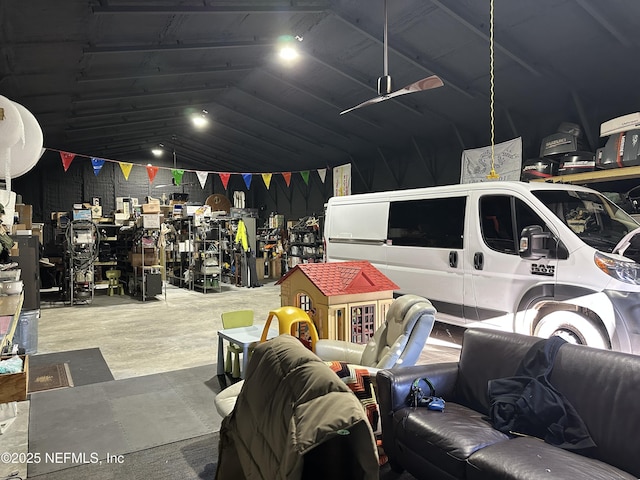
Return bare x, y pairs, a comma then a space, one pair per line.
535, 243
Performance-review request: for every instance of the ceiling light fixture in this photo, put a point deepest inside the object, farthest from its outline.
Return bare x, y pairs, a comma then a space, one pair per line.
200, 120
287, 47
158, 151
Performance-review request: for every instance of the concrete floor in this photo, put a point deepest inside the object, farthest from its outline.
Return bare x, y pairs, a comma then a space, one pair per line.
165, 333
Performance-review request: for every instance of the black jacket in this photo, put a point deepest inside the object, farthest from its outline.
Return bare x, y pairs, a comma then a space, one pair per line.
528, 404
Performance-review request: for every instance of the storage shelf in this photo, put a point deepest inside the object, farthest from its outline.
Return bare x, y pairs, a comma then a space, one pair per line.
610, 175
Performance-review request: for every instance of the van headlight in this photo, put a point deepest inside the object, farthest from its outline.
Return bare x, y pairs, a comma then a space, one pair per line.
627, 272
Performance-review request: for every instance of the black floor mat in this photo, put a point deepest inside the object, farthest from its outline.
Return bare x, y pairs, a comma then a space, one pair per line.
87, 366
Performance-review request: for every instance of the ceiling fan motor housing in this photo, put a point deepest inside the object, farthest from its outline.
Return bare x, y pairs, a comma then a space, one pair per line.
384, 85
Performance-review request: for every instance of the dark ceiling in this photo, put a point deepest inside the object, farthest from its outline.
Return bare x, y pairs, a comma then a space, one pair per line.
114, 78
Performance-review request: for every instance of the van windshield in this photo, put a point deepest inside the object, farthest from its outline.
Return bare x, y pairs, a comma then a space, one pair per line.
592, 217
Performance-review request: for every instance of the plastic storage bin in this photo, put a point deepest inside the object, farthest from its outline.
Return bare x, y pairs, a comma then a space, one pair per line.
26, 334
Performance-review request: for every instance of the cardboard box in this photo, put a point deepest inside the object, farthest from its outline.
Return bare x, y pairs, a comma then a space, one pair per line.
616, 125
150, 208
275, 268
13, 386
25, 213
150, 258
151, 220
17, 226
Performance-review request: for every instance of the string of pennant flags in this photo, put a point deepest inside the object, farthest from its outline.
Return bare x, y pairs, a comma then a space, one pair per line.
177, 174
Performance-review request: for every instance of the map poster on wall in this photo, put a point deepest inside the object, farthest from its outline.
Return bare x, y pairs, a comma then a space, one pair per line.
476, 163
342, 180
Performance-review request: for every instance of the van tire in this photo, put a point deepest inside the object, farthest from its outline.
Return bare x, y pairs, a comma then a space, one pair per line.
571, 326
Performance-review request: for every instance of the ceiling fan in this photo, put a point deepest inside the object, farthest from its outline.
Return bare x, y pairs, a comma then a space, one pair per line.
384, 83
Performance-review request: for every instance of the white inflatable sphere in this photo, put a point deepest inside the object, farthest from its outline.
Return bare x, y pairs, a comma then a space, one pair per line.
24, 157
11, 126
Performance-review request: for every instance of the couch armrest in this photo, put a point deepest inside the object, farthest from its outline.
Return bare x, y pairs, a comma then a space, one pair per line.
394, 384
339, 351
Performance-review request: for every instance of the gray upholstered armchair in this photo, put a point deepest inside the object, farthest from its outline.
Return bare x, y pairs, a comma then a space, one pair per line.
398, 342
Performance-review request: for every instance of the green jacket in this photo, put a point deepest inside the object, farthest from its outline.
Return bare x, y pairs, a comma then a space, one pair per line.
295, 418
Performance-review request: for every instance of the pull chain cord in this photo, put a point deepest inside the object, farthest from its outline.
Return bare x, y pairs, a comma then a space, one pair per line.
492, 175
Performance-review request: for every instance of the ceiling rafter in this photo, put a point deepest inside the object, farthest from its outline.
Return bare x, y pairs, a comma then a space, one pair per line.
123, 125
472, 28
128, 96
94, 50
288, 112
136, 75
288, 132
604, 22
132, 111
216, 9
308, 92
251, 151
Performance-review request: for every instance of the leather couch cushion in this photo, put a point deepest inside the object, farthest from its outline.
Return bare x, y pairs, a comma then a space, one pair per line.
483, 358
446, 438
529, 458
604, 388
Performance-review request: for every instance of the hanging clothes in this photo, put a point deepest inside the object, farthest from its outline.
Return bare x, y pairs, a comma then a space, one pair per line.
241, 236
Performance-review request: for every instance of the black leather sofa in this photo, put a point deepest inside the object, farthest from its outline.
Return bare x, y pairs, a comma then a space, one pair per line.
460, 443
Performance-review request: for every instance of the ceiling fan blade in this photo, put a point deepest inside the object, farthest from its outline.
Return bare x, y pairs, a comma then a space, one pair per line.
425, 84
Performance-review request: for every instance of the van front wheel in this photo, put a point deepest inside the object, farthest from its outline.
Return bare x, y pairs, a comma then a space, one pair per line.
571, 326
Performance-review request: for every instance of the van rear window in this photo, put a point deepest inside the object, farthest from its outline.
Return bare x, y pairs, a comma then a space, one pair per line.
433, 222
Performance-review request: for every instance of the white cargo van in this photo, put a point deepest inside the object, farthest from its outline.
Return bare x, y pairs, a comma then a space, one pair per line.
535, 258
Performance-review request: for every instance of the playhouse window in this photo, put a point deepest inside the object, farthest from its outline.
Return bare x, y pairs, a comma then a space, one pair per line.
304, 302
363, 320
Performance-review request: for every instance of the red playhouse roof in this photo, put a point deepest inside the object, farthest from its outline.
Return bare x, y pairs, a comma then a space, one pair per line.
344, 278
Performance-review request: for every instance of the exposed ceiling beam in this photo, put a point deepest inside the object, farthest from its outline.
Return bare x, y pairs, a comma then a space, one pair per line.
311, 94
604, 23
122, 125
295, 115
472, 28
136, 75
177, 47
287, 132
244, 132
132, 111
188, 10
217, 137
148, 94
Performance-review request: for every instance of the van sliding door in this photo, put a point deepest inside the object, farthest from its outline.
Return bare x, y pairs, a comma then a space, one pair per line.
425, 251
357, 231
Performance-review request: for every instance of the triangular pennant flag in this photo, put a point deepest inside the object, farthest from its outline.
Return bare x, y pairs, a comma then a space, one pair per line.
151, 172
322, 172
225, 179
202, 177
266, 178
126, 169
247, 179
287, 177
67, 158
305, 176
97, 165
177, 175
